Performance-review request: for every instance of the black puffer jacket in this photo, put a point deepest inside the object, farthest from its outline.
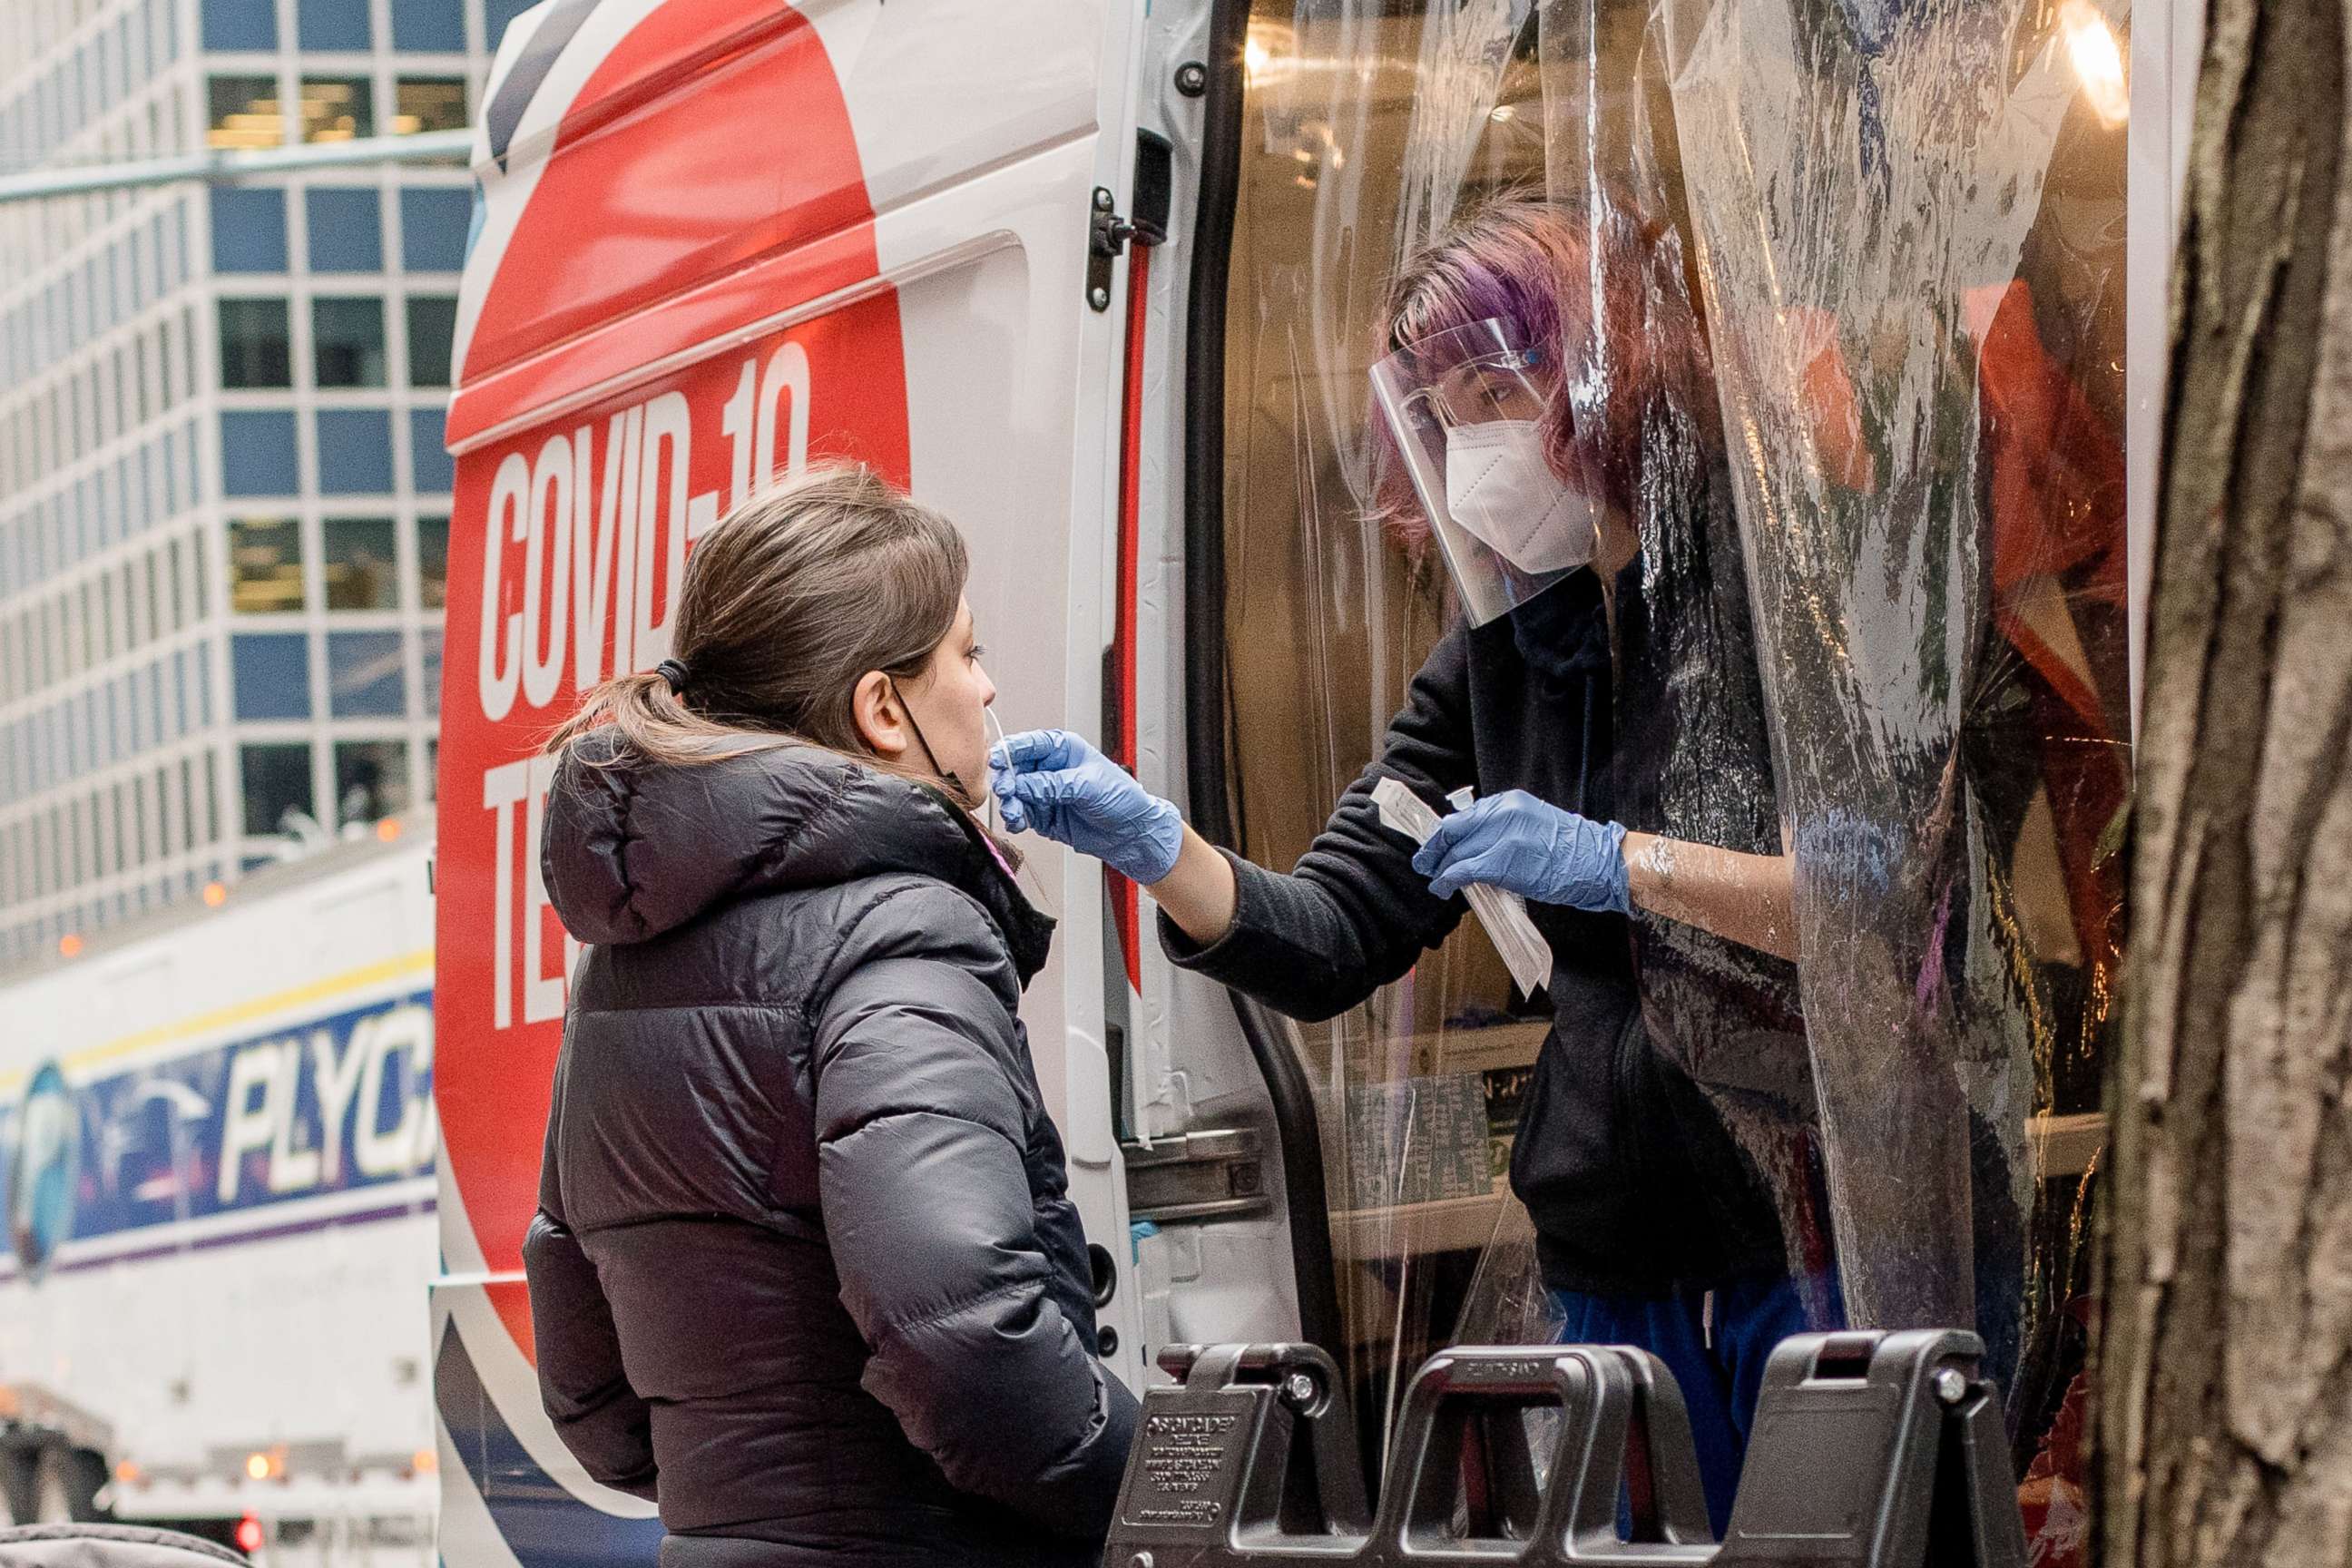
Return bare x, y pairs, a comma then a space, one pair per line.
804, 1269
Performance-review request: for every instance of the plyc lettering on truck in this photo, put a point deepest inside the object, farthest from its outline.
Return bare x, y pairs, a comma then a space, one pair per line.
587, 530
341, 1104
337, 1104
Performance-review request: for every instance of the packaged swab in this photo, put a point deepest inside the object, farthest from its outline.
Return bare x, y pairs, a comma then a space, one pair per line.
1504, 914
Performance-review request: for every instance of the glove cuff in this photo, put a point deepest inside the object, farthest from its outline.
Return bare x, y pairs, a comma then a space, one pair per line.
1620, 876
1153, 850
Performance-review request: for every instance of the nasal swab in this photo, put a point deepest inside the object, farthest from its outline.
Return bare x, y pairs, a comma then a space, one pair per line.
995, 823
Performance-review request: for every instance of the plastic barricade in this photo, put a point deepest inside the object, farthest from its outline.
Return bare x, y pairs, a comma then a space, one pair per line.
1872, 1451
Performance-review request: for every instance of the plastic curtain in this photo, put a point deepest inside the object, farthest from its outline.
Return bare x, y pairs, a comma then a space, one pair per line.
1854, 280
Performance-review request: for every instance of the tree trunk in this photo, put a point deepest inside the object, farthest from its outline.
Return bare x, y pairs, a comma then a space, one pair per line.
2225, 1391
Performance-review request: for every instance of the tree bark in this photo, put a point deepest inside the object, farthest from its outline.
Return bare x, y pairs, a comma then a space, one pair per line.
2225, 1377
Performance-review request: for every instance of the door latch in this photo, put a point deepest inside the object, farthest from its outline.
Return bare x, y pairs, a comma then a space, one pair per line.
1109, 234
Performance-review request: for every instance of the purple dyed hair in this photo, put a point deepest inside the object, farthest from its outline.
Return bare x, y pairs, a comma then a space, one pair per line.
1599, 292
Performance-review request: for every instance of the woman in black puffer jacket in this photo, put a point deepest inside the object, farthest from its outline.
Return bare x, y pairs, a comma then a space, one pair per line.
804, 1269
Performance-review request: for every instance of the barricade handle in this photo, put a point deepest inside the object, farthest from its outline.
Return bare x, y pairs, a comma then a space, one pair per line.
1633, 1440
1416, 1504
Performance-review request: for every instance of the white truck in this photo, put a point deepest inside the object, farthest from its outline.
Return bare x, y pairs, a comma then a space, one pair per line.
217, 1147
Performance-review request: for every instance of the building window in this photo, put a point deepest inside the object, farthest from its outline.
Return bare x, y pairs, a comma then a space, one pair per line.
160, 597
122, 851
272, 672
248, 228
147, 695
203, 687
428, 103
265, 564
429, 649
365, 678
207, 811
433, 226
432, 562
354, 451
336, 24
371, 781
429, 26
277, 787
257, 346
245, 112
432, 331
346, 229
360, 563
196, 824
183, 600
179, 677
428, 456
137, 43
257, 454
497, 13
337, 108
238, 24
347, 342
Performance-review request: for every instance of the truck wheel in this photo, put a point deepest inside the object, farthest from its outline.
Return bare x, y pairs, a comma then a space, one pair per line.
64, 1485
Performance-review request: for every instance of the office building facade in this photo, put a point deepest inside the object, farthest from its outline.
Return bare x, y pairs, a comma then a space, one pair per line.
223, 500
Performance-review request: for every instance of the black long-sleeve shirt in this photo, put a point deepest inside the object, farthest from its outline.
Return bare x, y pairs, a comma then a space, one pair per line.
1633, 1183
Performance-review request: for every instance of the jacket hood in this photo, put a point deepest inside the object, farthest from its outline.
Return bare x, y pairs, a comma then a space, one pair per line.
634, 848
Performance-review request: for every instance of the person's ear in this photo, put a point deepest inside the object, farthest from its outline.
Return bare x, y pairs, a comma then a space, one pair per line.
881, 717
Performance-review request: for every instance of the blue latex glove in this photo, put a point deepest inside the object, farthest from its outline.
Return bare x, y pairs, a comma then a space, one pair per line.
1051, 782
1532, 848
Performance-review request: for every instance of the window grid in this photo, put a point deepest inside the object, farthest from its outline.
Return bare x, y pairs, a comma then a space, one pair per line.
119, 754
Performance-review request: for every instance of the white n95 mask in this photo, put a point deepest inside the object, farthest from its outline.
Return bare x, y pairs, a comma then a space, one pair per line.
1500, 488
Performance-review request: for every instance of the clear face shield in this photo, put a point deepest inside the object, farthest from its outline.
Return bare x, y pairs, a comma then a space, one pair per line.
1472, 413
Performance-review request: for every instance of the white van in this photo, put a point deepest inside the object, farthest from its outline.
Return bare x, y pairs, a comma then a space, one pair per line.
1099, 281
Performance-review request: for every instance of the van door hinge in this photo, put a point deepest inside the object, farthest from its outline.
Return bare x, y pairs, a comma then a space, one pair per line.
1108, 233
1107, 237
1193, 1176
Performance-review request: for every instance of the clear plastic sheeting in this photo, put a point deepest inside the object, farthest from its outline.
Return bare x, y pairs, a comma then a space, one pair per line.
1850, 278
1364, 127
1693, 758
1909, 221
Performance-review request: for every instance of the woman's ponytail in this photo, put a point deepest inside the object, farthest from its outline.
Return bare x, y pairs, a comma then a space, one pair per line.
650, 720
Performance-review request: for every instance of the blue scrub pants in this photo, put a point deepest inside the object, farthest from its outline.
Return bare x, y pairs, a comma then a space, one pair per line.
1717, 1351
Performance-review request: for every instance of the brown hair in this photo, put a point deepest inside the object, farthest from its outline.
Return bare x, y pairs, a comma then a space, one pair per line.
784, 606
